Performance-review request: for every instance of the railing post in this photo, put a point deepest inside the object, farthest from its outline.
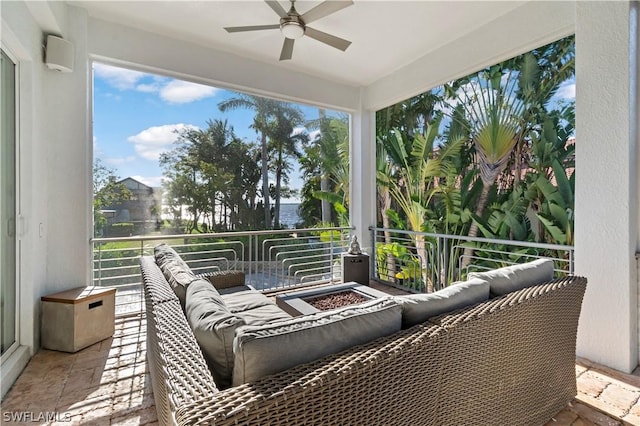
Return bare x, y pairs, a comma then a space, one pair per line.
331, 256
571, 268
250, 268
446, 259
438, 264
373, 258
99, 264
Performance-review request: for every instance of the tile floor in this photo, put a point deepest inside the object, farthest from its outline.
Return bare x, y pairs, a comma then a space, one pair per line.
109, 384
105, 384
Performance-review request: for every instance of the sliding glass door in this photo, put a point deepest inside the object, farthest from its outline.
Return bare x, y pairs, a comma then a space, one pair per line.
8, 283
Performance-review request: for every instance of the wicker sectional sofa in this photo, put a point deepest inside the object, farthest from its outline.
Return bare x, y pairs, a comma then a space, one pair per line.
507, 360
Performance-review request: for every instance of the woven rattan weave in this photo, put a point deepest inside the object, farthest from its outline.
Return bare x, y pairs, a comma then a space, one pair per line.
510, 360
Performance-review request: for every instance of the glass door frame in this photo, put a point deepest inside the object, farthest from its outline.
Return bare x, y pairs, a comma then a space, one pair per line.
16, 116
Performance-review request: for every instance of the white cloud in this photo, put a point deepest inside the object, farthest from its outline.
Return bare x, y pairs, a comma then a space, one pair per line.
120, 78
148, 88
170, 90
567, 90
180, 92
152, 142
153, 181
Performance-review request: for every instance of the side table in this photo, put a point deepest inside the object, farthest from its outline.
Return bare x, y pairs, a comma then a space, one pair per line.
355, 267
77, 318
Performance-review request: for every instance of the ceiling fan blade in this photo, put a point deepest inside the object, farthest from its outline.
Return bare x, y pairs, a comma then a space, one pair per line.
252, 28
324, 9
277, 8
331, 40
287, 49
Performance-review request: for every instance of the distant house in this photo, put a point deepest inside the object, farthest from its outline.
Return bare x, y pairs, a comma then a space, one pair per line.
137, 215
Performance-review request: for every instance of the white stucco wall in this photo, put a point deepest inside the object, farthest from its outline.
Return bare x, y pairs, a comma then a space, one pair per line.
362, 186
68, 138
606, 223
54, 164
634, 114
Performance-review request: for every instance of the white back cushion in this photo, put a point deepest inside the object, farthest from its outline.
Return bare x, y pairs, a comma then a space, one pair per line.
516, 277
417, 308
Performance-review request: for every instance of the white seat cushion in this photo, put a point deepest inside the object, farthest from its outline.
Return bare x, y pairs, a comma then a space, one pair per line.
214, 328
271, 348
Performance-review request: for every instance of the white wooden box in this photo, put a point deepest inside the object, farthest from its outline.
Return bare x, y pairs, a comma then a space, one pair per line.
77, 318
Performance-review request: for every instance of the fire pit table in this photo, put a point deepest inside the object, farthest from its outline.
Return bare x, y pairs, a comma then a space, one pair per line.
309, 301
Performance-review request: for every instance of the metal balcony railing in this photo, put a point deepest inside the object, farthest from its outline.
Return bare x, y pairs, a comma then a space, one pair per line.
271, 260
424, 262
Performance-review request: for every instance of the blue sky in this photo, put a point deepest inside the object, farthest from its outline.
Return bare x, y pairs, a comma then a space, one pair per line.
136, 115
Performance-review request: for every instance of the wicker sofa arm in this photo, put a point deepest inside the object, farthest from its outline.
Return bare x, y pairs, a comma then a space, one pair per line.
517, 355
392, 380
224, 279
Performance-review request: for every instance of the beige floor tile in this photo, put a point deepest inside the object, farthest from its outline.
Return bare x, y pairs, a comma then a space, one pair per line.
620, 397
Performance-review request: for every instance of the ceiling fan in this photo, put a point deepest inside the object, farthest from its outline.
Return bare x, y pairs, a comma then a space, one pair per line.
293, 25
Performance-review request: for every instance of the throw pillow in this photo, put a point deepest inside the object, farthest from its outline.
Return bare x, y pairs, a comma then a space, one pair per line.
175, 270
225, 279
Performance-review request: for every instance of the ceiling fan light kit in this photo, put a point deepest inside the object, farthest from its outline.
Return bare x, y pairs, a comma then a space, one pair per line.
292, 30
293, 25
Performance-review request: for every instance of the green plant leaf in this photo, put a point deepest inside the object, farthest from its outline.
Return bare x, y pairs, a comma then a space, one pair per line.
556, 233
564, 185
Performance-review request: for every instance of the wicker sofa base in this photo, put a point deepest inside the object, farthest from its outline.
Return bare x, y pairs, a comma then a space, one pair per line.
510, 360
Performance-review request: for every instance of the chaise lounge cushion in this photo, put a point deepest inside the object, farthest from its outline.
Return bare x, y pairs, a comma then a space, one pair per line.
214, 328
271, 348
175, 270
516, 277
417, 308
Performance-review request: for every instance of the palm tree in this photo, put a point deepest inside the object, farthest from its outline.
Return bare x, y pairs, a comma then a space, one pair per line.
494, 114
263, 108
332, 168
284, 139
503, 105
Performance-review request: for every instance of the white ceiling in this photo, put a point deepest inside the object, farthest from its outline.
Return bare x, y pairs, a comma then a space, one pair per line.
403, 31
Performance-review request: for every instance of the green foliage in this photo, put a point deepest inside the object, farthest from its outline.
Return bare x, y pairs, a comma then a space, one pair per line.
389, 256
512, 175
325, 168
212, 171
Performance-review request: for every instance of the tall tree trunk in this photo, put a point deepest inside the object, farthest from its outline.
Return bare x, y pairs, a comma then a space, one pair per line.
276, 209
265, 181
385, 201
326, 206
421, 250
324, 173
473, 229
